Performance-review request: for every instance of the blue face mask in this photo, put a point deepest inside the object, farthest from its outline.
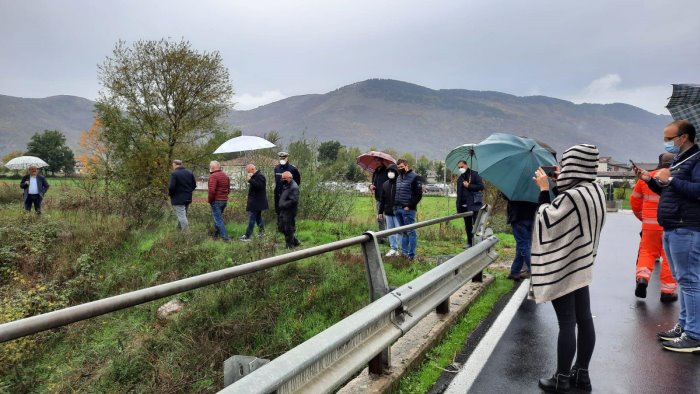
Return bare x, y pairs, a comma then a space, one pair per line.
671, 147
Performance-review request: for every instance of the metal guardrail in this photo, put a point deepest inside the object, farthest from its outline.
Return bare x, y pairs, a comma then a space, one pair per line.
62, 317
329, 359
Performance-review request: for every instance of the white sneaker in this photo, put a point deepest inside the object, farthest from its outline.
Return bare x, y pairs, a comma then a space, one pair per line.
392, 252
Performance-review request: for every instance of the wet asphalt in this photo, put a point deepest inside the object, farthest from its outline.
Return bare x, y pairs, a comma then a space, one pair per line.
627, 358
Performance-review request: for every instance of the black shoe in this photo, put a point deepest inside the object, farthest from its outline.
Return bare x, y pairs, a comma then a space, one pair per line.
559, 383
671, 334
683, 344
669, 297
641, 290
515, 278
580, 379
524, 275
243, 238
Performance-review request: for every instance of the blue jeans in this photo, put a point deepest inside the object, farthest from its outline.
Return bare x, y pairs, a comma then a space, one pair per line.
522, 231
217, 210
392, 222
682, 247
409, 239
254, 217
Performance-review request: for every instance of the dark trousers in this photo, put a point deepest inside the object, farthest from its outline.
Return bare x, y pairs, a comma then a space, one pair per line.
469, 222
574, 309
33, 199
288, 224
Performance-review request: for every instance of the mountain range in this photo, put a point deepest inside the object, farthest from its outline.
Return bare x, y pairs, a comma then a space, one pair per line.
385, 113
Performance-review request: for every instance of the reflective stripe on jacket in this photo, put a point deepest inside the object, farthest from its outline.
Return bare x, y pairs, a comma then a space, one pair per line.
645, 203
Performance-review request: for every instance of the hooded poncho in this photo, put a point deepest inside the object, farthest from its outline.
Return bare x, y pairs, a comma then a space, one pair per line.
566, 232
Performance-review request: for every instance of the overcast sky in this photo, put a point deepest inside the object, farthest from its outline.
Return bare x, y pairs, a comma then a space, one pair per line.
597, 51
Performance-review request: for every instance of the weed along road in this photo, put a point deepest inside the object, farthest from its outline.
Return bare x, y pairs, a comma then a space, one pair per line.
627, 359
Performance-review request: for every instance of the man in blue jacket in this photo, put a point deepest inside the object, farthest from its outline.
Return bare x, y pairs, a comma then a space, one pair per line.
409, 191
679, 214
182, 184
470, 191
35, 186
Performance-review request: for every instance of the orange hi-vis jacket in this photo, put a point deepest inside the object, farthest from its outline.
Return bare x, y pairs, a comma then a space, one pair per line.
644, 203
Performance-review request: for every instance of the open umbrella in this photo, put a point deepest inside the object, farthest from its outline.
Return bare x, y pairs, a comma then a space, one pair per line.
368, 161
509, 163
24, 162
244, 143
463, 152
684, 103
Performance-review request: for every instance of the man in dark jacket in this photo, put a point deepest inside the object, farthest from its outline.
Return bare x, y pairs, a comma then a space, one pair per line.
182, 184
387, 194
257, 201
279, 169
288, 204
521, 216
409, 191
679, 215
35, 186
379, 176
219, 188
469, 197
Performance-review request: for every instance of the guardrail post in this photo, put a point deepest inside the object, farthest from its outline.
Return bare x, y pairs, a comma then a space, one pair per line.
378, 288
443, 308
481, 233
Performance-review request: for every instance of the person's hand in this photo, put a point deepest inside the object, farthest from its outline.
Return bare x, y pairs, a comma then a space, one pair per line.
541, 179
380, 216
372, 188
406, 208
662, 175
642, 174
465, 183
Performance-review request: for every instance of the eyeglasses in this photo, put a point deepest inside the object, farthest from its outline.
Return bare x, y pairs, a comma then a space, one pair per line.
672, 138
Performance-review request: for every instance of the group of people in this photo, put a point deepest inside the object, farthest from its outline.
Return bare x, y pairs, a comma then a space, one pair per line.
286, 193
558, 247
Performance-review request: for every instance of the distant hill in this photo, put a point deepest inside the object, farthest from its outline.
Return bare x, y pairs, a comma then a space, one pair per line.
20, 118
412, 118
389, 114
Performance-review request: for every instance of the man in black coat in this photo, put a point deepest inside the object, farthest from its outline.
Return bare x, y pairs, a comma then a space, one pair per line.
257, 201
379, 176
35, 186
182, 184
288, 204
279, 169
470, 191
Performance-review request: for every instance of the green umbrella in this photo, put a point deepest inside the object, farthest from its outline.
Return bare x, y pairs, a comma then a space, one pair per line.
463, 152
509, 163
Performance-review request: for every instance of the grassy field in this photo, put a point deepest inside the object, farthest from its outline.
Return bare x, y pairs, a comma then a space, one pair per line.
72, 255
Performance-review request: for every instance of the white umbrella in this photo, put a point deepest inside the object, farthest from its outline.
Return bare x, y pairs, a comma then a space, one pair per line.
244, 143
23, 162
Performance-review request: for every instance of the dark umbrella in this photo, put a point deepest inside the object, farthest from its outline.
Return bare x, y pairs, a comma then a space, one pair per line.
684, 103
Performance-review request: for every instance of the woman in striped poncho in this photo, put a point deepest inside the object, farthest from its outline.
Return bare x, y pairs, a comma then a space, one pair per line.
564, 246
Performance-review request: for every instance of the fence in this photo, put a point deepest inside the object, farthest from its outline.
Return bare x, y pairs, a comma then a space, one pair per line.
375, 270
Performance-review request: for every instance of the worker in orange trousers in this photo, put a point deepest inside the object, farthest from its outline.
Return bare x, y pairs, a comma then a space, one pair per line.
644, 204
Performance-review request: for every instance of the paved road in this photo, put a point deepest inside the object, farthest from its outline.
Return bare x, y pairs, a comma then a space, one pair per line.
627, 358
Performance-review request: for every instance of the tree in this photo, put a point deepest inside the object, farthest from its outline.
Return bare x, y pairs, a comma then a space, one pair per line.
50, 146
12, 155
161, 100
328, 151
439, 168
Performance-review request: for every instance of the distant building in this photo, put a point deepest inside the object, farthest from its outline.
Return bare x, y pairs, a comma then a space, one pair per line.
610, 171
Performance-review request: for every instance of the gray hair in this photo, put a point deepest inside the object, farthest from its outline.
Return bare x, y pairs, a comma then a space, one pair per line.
177, 162
214, 164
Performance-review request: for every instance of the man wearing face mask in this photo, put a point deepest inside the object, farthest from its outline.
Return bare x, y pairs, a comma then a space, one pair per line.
282, 167
387, 195
257, 201
469, 197
409, 191
679, 215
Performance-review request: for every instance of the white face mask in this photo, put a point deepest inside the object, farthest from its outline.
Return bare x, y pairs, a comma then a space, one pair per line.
391, 175
462, 170
283, 162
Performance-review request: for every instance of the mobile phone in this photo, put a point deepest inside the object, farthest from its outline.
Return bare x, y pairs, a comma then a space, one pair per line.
633, 165
549, 170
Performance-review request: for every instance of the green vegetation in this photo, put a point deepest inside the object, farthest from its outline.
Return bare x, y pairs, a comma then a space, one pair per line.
74, 254
442, 356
